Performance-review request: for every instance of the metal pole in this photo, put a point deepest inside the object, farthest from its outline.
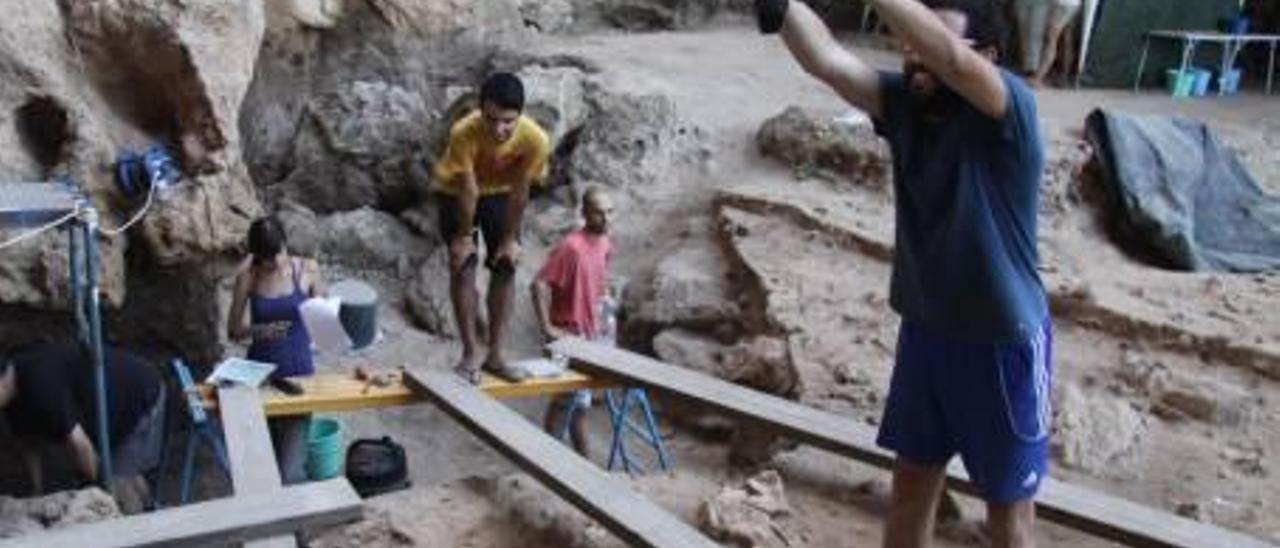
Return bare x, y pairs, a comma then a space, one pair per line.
95, 345
77, 295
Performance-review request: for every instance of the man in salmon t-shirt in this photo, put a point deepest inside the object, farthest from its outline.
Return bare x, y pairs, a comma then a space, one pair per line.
566, 297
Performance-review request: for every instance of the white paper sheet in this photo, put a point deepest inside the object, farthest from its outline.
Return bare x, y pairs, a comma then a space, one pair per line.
320, 316
240, 371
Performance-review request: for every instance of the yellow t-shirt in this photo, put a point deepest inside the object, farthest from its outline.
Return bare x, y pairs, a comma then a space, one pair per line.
497, 166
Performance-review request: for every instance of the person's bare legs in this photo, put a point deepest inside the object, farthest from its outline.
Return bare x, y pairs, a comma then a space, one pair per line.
1011, 524
578, 433
501, 293
912, 508
1048, 54
463, 294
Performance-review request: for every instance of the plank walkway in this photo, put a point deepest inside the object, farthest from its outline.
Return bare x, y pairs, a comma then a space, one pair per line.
631, 517
1083, 509
216, 522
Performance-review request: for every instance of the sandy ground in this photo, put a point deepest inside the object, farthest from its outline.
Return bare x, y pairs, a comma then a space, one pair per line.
1139, 324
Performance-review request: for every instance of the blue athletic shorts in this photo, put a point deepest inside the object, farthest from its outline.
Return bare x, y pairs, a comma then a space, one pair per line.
987, 402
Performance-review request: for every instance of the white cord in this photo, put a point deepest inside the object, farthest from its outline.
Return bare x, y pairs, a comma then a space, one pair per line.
27, 235
151, 191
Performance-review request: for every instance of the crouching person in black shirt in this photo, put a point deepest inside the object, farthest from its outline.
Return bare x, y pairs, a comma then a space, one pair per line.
47, 394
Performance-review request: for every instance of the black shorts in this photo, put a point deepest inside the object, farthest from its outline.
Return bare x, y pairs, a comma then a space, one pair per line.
490, 220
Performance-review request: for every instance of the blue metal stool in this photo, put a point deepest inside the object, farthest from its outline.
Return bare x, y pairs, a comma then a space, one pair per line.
620, 404
201, 428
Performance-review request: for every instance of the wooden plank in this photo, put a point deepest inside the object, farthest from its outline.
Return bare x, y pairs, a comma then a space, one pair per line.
249, 452
634, 519
215, 522
338, 392
1090, 511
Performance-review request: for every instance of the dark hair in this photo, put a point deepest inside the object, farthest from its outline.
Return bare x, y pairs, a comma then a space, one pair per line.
985, 24
503, 89
266, 239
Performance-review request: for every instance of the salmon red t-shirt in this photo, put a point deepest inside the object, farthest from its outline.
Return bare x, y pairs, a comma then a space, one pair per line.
577, 272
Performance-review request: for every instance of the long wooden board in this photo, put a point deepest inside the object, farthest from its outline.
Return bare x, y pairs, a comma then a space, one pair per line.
215, 522
249, 452
631, 517
339, 392
1090, 511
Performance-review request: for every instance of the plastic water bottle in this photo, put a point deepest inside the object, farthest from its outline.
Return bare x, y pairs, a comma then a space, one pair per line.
607, 333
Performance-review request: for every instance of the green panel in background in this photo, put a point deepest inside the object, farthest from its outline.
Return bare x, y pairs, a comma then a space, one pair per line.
1117, 40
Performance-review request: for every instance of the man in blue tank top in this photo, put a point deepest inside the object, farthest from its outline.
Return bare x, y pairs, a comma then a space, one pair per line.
973, 363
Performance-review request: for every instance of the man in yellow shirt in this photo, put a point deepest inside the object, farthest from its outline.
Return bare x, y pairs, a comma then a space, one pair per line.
494, 155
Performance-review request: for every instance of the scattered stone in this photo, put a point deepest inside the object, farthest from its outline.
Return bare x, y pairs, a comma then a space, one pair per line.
806, 141
428, 301
753, 515
368, 239
56, 511
1205, 401
1192, 510
1096, 434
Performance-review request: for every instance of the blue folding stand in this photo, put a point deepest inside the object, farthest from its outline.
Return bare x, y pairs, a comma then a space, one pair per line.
620, 404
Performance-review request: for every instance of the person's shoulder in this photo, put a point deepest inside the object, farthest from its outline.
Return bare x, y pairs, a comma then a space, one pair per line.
466, 126
533, 132
1017, 88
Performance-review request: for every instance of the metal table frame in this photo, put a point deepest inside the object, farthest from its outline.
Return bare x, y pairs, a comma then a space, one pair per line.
1232, 44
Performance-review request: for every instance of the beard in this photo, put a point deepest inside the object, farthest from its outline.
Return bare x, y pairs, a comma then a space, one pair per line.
930, 94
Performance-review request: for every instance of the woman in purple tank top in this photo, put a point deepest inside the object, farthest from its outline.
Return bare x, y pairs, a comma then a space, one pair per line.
273, 284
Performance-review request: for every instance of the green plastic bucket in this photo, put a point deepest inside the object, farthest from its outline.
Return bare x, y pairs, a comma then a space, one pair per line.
1180, 83
324, 449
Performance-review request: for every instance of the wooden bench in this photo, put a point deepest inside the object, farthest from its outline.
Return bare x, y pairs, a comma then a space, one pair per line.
631, 517
1083, 509
335, 392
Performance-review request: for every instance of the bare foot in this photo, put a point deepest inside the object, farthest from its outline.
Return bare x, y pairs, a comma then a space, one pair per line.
496, 365
468, 369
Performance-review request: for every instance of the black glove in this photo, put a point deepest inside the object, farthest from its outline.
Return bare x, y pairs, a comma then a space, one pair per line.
770, 14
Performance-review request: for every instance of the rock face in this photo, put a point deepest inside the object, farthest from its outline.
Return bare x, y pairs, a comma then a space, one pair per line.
754, 514
691, 288
353, 116
428, 298
840, 151
762, 363
549, 16
631, 141
94, 78
360, 145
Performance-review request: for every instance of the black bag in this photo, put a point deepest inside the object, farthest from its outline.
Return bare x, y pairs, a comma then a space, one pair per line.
377, 466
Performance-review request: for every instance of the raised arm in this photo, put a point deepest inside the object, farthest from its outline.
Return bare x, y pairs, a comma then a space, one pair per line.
946, 54
819, 54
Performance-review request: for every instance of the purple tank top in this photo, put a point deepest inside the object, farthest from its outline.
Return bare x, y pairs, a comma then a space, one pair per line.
291, 354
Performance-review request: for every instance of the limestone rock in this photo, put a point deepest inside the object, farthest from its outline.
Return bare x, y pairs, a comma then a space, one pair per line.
753, 515
56, 511
651, 15
353, 116
427, 300
762, 363
691, 288
367, 238
840, 151
361, 145
555, 98
631, 141
1096, 434
549, 16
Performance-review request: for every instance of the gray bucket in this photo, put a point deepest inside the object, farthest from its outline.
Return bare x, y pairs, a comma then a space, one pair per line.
359, 311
